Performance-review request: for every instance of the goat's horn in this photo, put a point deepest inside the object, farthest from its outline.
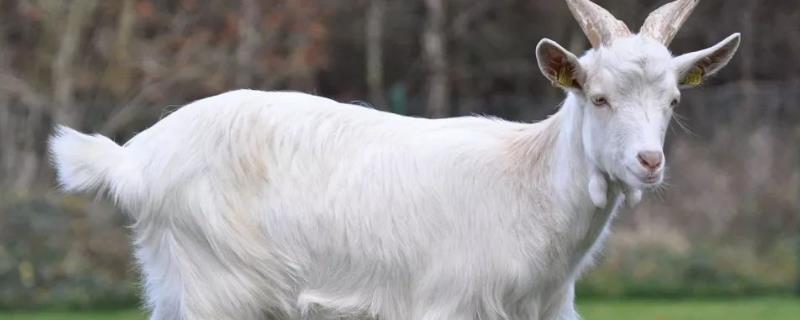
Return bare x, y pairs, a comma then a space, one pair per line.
600, 26
664, 23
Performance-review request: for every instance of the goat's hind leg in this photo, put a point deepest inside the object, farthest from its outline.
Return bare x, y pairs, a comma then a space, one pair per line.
185, 281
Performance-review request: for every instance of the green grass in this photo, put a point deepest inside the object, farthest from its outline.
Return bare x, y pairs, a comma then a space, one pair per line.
74, 315
749, 309
735, 309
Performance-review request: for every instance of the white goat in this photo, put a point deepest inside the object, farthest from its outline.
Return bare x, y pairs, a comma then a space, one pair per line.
280, 205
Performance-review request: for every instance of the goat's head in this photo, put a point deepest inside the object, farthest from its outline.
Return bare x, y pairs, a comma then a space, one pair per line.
627, 85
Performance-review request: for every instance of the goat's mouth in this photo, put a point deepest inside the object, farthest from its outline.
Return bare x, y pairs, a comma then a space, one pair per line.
650, 180
645, 179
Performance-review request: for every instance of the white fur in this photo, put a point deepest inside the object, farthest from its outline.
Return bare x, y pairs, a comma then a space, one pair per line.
281, 205
633, 197
597, 188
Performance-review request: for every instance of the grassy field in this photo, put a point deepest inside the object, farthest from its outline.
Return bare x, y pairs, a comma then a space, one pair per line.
74, 315
750, 309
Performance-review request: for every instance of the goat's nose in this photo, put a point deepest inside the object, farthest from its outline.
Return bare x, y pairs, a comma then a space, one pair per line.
651, 159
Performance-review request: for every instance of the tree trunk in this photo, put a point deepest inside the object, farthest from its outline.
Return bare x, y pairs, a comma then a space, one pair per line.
120, 72
374, 44
248, 43
435, 54
20, 132
747, 54
63, 75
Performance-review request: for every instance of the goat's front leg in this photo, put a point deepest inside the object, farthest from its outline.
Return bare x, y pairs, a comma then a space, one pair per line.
564, 307
568, 312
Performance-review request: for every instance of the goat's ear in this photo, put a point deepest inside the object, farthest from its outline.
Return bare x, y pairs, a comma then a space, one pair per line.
560, 66
693, 68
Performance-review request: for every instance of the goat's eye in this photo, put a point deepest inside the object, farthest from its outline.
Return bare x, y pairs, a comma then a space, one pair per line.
674, 102
599, 101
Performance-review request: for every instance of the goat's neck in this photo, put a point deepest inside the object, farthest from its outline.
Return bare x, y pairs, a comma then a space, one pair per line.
570, 167
559, 170
571, 172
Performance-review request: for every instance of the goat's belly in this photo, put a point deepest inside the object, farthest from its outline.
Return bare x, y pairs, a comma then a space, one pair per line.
443, 288
450, 286
402, 246
405, 257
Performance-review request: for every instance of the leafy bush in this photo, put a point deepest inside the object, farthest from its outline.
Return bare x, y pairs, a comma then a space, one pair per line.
63, 252
647, 269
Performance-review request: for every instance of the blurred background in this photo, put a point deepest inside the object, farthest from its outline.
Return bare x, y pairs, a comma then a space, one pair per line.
727, 226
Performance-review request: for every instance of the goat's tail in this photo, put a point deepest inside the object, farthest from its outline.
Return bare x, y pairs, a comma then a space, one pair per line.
90, 163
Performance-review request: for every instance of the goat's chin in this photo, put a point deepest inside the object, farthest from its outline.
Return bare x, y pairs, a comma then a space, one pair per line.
645, 185
647, 182
640, 180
